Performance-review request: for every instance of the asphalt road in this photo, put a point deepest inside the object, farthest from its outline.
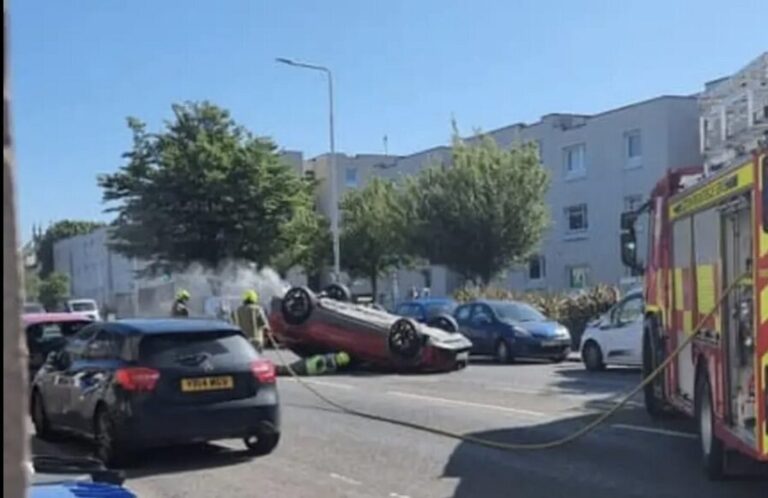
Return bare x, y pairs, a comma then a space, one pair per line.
324, 453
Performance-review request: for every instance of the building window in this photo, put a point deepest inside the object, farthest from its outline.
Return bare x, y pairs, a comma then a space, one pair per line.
576, 218
574, 161
351, 177
537, 269
633, 148
578, 277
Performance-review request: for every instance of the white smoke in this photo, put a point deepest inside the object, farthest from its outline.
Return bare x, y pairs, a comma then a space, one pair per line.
229, 281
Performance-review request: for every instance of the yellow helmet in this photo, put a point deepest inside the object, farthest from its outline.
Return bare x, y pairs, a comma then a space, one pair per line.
183, 295
342, 359
251, 297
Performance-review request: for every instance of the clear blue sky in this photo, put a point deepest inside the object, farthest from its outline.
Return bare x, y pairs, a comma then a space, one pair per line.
402, 68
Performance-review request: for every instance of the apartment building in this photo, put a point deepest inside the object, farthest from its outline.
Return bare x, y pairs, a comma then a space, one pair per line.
600, 165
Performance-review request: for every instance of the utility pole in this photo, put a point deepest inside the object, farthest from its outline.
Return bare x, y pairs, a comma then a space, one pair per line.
14, 353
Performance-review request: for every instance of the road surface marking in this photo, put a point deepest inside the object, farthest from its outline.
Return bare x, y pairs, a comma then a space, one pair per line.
469, 403
395, 495
515, 390
653, 430
346, 479
323, 383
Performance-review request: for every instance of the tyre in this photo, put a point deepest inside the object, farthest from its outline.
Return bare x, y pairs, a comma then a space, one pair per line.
338, 292
405, 341
653, 391
107, 448
262, 444
297, 305
444, 322
593, 357
40, 418
502, 352
712, 449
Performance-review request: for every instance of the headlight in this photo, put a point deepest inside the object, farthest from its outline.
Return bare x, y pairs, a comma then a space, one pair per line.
563, 332
521, 332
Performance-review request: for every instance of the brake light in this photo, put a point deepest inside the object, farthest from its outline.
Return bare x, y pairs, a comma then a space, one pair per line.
263, 371
137, 379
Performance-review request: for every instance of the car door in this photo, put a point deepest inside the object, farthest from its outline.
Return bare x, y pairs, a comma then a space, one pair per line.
65, 377
482, 325
99, 360
624, 338
462, 315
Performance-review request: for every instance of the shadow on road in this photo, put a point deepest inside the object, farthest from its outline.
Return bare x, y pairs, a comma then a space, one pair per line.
156, 461
581, 381
607, 463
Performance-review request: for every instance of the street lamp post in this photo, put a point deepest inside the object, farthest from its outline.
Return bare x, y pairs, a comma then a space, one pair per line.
331, 163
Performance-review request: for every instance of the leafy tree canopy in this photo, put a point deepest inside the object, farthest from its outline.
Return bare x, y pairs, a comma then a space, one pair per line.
59, 231
53, 290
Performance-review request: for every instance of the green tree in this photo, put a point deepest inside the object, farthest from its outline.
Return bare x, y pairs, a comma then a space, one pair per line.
58, 231
307, 244
484, 213
373, 231
54, 289
202, 190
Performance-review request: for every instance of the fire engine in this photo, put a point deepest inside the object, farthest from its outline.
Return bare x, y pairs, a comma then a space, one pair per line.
708, 234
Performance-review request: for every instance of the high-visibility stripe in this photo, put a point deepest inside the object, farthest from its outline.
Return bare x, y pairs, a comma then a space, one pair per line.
714, 191
705, 288
688, 322
764, 387
763, 305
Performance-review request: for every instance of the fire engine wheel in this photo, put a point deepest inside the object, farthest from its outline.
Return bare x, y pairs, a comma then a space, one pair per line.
712, 449
405, 341
297, 305
338, 292
444, 322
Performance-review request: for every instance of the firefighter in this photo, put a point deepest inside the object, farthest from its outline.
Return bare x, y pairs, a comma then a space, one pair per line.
180, 308
320, 364
251, 319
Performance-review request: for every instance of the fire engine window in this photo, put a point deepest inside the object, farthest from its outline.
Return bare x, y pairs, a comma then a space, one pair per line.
706, 230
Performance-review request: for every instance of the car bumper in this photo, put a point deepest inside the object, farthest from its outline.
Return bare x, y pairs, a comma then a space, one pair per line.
548, 349
180, 424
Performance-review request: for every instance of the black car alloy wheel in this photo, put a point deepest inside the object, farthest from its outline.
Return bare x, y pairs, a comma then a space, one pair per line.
296, 305
405, 340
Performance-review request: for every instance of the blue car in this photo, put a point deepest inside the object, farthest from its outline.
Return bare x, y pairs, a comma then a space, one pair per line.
511, 329
66, 477
429, 310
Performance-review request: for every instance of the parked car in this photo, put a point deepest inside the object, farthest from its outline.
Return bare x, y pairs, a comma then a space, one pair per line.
86, 306
308, 324
135, 384
427, 309
73, 477
48, 332
616, 338
33, 308
510, 329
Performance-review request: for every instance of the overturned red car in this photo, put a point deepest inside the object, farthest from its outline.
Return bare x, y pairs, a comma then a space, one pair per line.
309, 323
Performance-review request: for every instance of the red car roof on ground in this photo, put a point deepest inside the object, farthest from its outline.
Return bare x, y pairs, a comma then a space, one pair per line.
33, 318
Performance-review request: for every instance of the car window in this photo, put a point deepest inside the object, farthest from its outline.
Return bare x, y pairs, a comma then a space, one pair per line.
482, 314
105, 345
409, 310
79, 307
42, 332
438, 308
462, 312
164, 350
630, 310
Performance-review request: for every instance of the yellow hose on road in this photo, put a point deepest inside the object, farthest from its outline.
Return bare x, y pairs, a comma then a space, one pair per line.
599, 420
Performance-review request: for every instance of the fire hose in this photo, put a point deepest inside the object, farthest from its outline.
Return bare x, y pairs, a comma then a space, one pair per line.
591, 426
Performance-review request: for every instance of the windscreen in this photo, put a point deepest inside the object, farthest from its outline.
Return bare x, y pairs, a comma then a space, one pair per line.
518, 312
170, 349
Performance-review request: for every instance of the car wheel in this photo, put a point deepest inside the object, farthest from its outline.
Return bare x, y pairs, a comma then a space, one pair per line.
40, 418
107, 448
296, 305
444, 322
593, 357
712, 449
502, 353
338, 292
262, 444
405, 340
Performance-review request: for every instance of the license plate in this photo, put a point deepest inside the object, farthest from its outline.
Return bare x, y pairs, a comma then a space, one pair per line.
207, 384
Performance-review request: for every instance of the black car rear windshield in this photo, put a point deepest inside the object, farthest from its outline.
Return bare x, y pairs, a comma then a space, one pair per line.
169, 349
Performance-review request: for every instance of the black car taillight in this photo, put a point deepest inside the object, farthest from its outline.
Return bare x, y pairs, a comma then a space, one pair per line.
263, 371
137, 378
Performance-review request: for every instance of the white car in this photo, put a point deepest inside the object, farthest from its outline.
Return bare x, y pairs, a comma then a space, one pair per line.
87, 307
616, 338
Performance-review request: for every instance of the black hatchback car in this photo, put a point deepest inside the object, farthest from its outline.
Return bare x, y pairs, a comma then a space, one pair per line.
135, 384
